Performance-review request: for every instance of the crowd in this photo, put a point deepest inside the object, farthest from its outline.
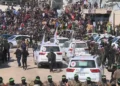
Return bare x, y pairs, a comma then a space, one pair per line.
34, 21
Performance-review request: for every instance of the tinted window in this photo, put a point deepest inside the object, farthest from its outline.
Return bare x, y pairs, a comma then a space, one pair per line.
54, 48
66, 44
62, 40
11, 37
80, 45
18, 38
83, 64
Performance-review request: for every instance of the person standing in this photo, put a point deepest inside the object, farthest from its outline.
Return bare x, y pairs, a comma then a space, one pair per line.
18, 53
64, 81
88, 82
11, 82
6, 50
104, 82
116, 74
1, 81
23, 45
75, 82
50, 82
51, 60
38, 81
23, 82
1, 50
24, 58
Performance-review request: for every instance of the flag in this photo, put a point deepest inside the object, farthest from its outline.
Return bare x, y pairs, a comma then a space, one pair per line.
43, 40
55, 35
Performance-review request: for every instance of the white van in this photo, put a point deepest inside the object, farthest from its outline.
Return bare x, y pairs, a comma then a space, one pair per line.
40, 54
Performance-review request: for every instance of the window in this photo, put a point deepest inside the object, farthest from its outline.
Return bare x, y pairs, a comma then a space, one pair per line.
54, 48
80, 45
18, 38
11, 37
66, 44
83, 64
62, 40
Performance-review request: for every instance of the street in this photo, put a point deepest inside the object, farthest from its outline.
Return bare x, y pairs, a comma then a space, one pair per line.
12, 70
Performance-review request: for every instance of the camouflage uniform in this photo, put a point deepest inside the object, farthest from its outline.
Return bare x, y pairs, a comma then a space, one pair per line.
74, 83
86, 84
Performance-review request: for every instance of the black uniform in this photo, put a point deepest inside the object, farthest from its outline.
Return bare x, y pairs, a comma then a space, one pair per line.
1, 52
18, 53
52, 60
6, 53
24, 58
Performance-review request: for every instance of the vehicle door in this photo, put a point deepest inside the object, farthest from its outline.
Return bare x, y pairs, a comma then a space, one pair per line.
100, 66
17, 39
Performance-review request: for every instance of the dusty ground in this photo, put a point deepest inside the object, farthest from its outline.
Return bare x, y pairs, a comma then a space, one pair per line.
12, 70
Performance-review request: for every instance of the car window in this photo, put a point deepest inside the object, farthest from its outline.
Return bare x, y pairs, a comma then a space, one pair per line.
24, 37
82, 64
18, 38
80, 45
62, 40
48, 48
11, 37
66, 44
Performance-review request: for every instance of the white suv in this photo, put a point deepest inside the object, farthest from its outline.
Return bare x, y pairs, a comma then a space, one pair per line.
85, 66
75, 47
40, 54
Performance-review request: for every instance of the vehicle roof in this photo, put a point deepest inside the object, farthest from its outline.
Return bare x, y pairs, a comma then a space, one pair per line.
20, 35
49, 44
78, 41
61, 38
83, 57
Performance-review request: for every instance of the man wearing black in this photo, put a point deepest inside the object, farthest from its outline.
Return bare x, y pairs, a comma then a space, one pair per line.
51, 59
24, 58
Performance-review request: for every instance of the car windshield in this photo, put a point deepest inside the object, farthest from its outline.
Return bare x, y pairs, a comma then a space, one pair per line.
54, 48
80, 45
11, 37
62, 40
114, 39
66, 44
82, 64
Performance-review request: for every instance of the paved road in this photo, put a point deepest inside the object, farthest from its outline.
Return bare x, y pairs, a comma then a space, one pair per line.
12, 70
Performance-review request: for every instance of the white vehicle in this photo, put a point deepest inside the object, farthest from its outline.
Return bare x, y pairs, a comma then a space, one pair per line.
75, 47
60, 40
115, 41
40, 54
13, 39
98, 39
85, 66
